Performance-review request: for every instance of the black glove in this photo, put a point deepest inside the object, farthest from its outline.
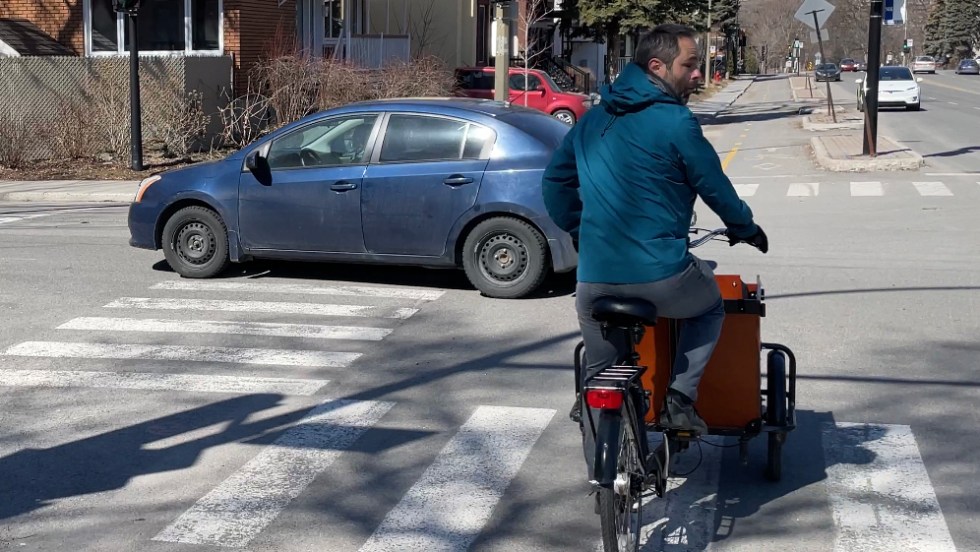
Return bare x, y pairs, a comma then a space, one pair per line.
759, 240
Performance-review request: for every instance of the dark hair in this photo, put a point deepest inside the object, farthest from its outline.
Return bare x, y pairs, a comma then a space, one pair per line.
662, 42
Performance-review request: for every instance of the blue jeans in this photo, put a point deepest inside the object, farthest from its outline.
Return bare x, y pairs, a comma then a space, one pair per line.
692, 296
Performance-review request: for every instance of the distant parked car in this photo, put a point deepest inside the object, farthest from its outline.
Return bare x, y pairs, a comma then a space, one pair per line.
426, 182
848, 64
968, 67
543, 93
862, 66
827, 72
897, 87
924, 64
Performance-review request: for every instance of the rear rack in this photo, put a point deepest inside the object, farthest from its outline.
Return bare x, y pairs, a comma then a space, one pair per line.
615, 377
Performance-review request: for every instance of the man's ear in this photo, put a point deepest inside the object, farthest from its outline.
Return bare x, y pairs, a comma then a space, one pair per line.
655, 65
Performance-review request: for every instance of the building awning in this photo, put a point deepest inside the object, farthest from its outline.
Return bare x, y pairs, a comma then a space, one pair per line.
20, 37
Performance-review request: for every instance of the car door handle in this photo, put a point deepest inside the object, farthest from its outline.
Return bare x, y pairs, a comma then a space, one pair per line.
342, 186
457, 180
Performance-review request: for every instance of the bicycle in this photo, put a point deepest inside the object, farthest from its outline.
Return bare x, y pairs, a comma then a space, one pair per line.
625, 395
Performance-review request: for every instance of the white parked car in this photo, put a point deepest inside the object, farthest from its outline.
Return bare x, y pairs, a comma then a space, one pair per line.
924, 64
896, 88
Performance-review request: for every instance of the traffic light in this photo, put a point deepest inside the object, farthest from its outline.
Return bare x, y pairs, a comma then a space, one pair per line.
905, 46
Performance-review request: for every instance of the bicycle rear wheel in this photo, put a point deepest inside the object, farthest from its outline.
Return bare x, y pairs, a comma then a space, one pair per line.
621, 507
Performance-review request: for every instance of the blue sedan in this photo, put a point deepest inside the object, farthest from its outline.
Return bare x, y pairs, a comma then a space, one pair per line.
429, 182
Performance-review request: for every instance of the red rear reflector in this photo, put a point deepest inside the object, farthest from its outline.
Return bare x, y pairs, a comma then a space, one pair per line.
608, 399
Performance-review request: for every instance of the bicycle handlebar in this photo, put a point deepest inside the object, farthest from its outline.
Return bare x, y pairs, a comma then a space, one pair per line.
711, 234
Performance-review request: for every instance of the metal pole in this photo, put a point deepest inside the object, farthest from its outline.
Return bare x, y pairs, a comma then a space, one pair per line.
136, 127
707, 49
871, 98
501, 93
823, 59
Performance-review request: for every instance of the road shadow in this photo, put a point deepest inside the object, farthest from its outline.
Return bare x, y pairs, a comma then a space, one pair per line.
755, 112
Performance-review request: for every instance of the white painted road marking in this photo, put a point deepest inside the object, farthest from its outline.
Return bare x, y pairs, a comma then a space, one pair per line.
159, 382
866, 189
234, 512
281, 357
223, 327
745, 190
259, 306
803, 189
299, 289
932, 189
880, 491
452, 501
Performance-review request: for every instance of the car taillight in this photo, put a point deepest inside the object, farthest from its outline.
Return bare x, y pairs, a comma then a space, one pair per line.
604, 399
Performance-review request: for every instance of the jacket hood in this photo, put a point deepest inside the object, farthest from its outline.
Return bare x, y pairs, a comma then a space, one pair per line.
635, 89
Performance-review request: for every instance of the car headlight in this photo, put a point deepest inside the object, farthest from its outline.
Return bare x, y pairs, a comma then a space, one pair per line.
144, 184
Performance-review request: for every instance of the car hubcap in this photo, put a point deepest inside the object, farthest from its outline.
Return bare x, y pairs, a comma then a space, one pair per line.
565, 118
503, 258
195, 243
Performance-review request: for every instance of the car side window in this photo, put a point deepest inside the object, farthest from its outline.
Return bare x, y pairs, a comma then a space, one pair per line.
423, 138
326, 143
517, 81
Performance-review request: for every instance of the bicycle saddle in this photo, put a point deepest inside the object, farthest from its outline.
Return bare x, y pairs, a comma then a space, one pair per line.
623, 312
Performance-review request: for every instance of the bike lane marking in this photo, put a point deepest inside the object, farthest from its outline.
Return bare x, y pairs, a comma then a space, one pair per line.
880, 491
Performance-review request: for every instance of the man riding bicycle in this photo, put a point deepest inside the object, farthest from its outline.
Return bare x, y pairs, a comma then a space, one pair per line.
623, 184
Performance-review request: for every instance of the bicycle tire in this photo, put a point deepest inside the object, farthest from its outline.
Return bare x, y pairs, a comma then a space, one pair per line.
621, 507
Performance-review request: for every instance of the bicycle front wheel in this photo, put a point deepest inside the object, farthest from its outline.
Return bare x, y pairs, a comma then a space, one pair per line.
621, 507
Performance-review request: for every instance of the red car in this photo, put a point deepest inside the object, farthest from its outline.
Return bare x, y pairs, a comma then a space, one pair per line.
543, 93
848, 64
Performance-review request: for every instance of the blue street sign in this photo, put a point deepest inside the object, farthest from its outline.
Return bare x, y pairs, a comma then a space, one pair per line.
894, 12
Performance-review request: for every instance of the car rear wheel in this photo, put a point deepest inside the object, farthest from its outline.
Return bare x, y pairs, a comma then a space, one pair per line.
195, 242
505, 258
564, 116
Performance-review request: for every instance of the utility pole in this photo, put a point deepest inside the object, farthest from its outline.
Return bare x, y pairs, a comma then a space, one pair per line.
707, 50
823, 59
871, 97
130, 8
501, 93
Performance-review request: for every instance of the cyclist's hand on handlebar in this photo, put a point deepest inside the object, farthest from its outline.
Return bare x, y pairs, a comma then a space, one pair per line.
759, 240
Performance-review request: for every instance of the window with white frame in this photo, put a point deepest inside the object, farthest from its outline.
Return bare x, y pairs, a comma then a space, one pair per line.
333, 25
164, 26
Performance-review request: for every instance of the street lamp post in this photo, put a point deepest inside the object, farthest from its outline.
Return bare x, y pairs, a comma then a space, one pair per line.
130, 8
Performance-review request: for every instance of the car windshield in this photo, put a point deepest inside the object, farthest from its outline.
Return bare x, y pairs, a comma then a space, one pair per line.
925, 58
846, 60
826, 67
894, 74
551, 82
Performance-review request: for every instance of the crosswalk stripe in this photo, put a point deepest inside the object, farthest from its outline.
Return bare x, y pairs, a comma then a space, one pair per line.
299, 289
159, 382
260, 306
8, 219
452, 501
235, 511
803, 189
684, 518
281, 357
932, 189
867, 189
224, 327
880, 490
745, 190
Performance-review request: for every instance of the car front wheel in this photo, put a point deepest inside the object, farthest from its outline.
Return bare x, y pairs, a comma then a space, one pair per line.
914, 107
195, 242
505, 258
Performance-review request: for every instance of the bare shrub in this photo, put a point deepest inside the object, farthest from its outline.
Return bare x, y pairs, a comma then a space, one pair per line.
17, 140
180, 119
110, 109
72, 132
243, 120
290, 83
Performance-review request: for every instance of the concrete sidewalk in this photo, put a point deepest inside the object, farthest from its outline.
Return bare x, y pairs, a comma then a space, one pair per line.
722, 99
116, 191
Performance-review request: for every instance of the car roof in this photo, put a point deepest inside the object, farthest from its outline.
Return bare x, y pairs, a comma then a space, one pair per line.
491, 68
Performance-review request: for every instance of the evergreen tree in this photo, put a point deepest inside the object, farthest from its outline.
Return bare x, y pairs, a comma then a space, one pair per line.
936, 29
960, 24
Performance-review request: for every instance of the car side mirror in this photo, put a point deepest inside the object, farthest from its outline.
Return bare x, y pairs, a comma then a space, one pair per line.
258, 165
918, 79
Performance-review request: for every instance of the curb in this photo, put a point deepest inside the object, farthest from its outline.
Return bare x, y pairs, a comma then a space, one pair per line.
910, 163
81, 197
808, 124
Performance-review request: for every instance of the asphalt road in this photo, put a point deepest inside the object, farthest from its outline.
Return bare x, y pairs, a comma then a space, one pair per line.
292, 407
944, 132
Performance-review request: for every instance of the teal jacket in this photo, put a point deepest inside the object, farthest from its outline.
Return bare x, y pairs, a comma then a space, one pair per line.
625, 179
